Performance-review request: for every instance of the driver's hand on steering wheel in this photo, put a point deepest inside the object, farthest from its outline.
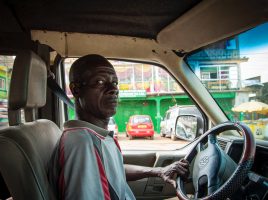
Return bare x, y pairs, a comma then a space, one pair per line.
179, 168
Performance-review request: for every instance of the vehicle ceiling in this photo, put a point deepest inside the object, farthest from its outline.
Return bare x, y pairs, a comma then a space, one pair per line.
174, 24
139, 18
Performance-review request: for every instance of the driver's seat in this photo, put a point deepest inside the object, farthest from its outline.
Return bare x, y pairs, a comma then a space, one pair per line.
25, 148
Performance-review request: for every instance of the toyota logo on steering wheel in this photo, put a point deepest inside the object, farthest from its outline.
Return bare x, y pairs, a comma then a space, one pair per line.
203, 161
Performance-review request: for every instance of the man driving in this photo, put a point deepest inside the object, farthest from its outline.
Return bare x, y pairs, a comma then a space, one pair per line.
87, 162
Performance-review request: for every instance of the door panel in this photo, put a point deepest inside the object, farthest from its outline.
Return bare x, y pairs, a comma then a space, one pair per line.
151, 188
143, 159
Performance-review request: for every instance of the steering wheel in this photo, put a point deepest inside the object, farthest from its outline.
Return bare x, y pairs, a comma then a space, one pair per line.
215, 174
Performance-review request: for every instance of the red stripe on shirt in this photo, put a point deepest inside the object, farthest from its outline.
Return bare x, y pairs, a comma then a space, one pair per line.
117, 144
104, 182
61, 181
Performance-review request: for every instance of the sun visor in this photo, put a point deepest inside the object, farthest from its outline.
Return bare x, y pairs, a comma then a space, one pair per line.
210, 21
79, 44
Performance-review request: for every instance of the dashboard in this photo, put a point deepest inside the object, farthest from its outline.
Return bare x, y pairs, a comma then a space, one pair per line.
256, 185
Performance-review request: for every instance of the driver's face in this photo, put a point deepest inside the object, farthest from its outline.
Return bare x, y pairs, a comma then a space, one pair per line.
99, 92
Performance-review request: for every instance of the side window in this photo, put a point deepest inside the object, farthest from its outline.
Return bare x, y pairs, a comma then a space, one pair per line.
168, 115
6, 65
174, 113
149, 92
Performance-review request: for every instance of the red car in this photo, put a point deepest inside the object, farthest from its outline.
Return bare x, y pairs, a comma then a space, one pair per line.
140, 126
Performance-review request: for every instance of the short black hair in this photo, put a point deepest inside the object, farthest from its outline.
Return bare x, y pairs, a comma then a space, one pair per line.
85, 63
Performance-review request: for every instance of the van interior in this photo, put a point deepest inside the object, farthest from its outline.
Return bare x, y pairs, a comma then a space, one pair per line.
40, 35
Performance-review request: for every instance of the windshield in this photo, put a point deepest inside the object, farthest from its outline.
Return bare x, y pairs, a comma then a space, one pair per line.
141, 119
235, 71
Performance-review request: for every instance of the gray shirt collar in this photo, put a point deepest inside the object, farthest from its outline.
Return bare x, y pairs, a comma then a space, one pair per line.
80, 123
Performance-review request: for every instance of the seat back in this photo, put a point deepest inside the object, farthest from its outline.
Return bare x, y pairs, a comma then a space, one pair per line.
26, 147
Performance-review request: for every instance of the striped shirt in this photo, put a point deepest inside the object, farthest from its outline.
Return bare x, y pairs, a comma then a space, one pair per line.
87, 164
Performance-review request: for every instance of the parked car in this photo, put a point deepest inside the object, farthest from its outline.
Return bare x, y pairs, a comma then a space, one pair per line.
112, 126
169, 122
140, 126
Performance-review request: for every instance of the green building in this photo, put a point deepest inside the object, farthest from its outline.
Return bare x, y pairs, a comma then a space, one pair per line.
156, 106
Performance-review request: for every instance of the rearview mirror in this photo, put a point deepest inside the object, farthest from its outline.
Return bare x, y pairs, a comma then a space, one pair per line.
188, 127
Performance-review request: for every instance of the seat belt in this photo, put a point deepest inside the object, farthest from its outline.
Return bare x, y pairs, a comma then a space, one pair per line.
56, 89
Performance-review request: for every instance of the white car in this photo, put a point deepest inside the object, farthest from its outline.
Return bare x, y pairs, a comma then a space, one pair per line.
112, 126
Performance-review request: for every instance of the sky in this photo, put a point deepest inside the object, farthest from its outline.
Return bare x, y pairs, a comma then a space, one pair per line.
254, 45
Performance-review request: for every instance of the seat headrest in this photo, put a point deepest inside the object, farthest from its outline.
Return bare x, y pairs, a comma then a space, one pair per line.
28, 82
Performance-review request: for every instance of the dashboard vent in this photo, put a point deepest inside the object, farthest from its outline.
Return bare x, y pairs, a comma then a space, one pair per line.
222, 144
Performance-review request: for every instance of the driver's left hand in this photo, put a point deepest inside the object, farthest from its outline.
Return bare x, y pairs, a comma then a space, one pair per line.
179, 168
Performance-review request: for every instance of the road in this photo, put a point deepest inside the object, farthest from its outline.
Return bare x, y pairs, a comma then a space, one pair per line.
158, 143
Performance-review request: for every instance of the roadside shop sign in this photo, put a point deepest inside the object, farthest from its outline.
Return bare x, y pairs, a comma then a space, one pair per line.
132, 93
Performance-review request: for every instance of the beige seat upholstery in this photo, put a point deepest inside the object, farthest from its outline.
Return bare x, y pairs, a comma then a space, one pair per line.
25, 148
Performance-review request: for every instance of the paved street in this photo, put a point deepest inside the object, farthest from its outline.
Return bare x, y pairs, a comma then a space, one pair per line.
158, 143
